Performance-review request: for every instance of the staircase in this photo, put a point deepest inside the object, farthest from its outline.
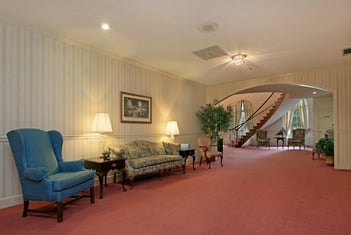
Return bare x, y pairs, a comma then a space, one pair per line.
258, 125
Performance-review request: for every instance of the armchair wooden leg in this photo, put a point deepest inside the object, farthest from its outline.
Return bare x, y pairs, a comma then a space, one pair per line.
25, 208
221, 160
59, 211
208, 161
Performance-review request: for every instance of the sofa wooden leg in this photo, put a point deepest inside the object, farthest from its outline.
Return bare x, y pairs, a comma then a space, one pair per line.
131, 181
161, 171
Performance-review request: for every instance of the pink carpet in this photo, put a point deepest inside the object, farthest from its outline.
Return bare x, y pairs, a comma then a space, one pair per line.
265, 191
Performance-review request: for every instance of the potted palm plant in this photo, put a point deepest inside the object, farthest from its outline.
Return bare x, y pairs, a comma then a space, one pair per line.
325, 146
214, 119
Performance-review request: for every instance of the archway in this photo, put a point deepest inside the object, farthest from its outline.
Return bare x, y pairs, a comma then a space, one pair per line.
321, 105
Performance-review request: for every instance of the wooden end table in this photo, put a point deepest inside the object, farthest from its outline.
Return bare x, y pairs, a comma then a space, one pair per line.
102, 167
185, 154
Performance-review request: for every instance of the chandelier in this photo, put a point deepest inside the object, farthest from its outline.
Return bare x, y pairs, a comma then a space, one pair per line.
239, 59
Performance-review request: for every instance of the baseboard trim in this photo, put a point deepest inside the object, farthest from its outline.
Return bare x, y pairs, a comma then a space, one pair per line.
17, 199
11, 201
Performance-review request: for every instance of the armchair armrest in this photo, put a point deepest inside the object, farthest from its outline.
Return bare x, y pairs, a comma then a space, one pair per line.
203, 148
35, 174
71, 165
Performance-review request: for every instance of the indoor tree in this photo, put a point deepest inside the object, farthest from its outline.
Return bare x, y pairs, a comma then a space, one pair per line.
214, 118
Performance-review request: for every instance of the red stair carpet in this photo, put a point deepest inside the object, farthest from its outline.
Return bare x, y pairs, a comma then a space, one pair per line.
258, 191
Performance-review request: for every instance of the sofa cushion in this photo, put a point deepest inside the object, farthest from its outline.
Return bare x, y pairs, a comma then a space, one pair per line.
153, 160
156, 149
171, 148
126, 151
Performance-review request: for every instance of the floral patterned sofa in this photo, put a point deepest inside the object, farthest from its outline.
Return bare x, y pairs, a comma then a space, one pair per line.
144, 157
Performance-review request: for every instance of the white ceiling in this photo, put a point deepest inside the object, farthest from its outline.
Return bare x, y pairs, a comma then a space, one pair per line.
278, 36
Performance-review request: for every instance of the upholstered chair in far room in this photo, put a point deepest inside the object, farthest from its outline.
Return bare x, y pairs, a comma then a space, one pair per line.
298, 138
204, 144
262, 140
44, 175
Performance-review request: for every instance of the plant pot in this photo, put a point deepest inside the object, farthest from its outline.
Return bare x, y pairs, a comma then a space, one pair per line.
329, 160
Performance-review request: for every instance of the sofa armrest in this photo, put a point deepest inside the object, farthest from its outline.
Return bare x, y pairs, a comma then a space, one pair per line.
35, 174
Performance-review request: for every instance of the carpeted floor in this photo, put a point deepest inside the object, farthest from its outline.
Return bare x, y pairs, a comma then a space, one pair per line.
258, 191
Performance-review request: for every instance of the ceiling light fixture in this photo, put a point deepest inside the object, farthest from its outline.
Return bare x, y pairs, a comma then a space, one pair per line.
239, 59
105, 26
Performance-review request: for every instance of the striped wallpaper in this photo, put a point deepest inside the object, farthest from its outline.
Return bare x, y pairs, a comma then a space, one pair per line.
48, 83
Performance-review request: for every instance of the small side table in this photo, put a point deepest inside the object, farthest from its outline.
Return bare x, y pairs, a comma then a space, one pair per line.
102, 167
185, 154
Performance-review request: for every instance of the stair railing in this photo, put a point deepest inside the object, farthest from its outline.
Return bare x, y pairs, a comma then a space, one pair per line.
234, 132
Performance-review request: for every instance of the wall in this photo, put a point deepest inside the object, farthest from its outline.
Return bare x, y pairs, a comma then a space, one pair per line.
336, 78
323, 116
48, 83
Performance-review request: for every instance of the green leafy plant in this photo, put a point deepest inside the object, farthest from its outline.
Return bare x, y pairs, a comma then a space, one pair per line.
325, 146
214, 119
106, 153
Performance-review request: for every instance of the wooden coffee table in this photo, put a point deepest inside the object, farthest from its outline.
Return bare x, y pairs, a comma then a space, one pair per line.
102, 167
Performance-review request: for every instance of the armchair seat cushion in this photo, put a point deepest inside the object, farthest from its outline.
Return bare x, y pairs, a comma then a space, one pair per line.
66, 180
291, 141
153, 160
35, 174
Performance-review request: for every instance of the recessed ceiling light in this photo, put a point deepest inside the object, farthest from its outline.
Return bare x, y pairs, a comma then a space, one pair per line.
314, 93
105, 26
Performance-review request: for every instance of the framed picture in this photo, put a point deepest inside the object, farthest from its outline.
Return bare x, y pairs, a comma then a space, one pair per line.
136, 108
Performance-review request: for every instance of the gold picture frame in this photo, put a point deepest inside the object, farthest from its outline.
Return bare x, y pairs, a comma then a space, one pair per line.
136, 108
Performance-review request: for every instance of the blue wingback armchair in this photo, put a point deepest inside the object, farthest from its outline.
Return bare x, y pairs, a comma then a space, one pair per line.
43, 174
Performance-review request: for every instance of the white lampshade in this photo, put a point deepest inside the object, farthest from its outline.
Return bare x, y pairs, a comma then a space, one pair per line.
172, 128
101, 123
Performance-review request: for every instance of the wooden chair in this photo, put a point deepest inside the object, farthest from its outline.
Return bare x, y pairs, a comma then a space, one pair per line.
298, 138
204, 144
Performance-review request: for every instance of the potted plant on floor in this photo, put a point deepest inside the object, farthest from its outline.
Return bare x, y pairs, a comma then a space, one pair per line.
214, 118
325, 146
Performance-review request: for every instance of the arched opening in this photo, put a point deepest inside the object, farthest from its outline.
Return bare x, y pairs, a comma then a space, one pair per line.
313, 108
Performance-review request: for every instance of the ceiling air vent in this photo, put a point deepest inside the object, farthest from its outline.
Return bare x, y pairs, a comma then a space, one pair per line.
210, 52
347, 51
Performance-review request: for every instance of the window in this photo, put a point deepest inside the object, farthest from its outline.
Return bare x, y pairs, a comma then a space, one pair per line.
297, 117
242, 114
